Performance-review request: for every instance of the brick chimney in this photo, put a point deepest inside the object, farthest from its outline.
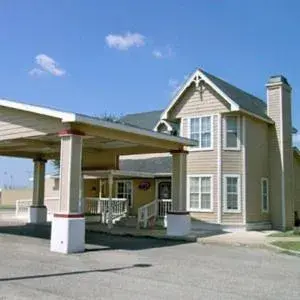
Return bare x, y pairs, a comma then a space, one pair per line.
281, 155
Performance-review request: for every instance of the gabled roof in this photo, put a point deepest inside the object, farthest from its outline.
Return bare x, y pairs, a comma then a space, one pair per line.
245, 100
238, 99
146, 120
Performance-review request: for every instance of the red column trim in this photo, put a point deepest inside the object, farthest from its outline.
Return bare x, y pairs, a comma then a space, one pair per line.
179, 151
70, 132
67, 216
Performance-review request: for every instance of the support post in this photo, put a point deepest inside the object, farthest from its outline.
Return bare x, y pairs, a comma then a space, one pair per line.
38, 211
68, 225
178, 220
110, 188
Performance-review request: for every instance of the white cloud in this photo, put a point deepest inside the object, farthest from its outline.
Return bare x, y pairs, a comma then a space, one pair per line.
175, 85
157, 54
296, 139
49, 65
36, 72
165, 52
126, 41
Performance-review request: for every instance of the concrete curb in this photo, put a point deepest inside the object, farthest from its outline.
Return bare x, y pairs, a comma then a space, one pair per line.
282, 250
188, 239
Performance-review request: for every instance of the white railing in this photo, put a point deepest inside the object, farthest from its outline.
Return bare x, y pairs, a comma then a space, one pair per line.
147, 213
100, 206
22, 206
164, 205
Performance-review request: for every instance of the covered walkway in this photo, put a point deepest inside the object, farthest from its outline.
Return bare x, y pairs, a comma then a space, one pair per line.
81, 143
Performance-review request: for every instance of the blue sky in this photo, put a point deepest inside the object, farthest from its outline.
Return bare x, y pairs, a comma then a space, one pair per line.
119, 57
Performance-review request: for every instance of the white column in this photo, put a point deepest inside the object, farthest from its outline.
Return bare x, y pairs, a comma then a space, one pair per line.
68, 225
110, 188
178, 220
37, 211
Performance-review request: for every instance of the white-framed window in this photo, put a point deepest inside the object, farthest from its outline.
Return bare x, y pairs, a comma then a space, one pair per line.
265, 195
124, 190
232, 133
201, 130
200, 191
232, 193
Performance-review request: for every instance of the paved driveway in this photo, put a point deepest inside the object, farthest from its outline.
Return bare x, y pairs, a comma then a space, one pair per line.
127, 268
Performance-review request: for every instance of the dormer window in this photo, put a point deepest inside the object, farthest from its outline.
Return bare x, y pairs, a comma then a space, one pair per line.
201, 131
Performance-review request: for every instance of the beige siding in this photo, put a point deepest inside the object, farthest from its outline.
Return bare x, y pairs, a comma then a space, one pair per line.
9, 197
197, 103
17, 124
257, 167
232, 163
297, 183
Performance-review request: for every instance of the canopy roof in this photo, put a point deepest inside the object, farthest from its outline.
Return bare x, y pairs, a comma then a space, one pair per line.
32, 131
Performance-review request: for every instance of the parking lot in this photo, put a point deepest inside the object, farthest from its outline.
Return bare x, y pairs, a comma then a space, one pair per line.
137, 268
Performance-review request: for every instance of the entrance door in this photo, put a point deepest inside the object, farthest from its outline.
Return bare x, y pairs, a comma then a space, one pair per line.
124, 190
164, 197
164, 190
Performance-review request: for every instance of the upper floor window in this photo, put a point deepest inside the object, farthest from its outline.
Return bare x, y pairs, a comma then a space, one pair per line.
232, 132
201, 131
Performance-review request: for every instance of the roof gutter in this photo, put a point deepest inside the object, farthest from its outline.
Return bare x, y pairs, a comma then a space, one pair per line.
129, 129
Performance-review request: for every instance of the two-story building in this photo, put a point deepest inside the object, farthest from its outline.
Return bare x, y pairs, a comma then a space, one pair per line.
243, 172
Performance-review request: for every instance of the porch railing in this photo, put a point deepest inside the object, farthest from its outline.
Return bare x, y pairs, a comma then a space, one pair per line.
100, 206
22, 206
164, 205
148, 213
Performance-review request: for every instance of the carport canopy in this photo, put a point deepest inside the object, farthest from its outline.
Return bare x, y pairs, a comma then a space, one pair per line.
80, 142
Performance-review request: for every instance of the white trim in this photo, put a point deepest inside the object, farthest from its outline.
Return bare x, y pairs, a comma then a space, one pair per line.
264, 179
269, 121
234, 106
122, 181
283, 209
199, 148
238, 148
225, 176
169, 127
199, 176
50, 112
181, 126
244, 149
219, 169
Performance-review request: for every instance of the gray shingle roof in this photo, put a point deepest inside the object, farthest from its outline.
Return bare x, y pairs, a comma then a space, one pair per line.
151, 165
146, 120
245, 100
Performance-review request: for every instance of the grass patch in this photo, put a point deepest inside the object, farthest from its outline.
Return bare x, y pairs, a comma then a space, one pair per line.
284, 234
295, 246
7, 206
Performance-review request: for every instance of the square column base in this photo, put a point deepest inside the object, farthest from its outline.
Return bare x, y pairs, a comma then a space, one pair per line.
37, 214
68, 233
178, 223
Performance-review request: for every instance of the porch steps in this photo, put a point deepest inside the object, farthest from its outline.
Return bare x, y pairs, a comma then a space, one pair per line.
129, 221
